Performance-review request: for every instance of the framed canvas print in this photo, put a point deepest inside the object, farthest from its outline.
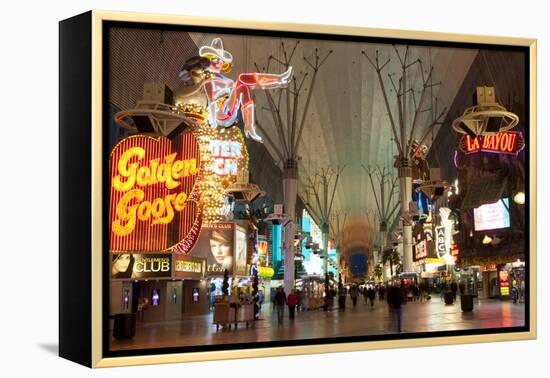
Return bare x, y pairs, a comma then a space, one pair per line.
234, 189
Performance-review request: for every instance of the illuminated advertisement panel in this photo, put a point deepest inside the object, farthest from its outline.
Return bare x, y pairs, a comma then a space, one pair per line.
154, 199
503, 277
262, 250
189, 267
240, 251
492, 216
421, 250
138, 266
216, 245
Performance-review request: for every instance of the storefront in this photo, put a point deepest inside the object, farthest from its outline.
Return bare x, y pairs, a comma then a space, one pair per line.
156, 286
433, 273
491, 282
194, 291
223, 246
469, 280
311, 249
312, 290
264, 280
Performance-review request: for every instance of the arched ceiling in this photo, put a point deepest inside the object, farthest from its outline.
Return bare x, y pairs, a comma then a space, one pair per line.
347, 122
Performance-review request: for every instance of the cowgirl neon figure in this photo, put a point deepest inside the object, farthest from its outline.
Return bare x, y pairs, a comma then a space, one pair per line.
226, 96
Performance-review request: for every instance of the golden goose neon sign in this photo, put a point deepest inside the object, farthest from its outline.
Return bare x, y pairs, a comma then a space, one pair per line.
152, 186
133, 206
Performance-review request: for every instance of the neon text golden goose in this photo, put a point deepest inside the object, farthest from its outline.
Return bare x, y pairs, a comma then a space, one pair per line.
131, 178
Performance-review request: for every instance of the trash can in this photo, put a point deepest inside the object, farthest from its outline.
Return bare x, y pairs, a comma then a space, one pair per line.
467, 302
449, 297
125, 326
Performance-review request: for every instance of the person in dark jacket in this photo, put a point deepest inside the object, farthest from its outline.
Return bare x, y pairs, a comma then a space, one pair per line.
371, 293
280, 301
354, 293
342, 292
395, 299
515, 294
366, 295
382, 292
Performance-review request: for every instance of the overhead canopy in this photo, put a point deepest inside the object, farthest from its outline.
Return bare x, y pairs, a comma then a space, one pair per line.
347, 122
490, 189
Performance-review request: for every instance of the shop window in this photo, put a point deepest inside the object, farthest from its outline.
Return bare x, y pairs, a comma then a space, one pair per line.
195, 295
155, 297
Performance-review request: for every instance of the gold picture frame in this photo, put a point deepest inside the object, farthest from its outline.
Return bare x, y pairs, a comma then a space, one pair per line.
88, 236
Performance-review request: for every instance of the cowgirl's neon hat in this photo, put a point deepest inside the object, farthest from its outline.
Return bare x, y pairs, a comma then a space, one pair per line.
216, 50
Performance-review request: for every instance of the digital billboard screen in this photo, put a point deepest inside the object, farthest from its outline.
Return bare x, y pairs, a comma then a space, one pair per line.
492, 216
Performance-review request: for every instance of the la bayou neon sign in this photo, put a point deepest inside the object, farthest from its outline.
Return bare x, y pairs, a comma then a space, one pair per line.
505, 142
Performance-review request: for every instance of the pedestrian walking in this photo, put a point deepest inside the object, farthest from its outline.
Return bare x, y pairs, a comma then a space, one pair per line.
354, 293
261, 299
416, 292
331, 293
423, 288
366, 295
280, 302
272, 293
300, 305
371, 293
515, 294
292, 301
342, 292
382, 292
522, 291
395, 299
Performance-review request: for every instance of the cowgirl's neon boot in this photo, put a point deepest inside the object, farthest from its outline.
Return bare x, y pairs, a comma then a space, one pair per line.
247, 110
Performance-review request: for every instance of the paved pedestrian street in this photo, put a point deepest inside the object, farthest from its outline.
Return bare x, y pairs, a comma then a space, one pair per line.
430, 316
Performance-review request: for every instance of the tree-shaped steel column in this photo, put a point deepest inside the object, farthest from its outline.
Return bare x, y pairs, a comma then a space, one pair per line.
289, 125
320, 191
386, 207
403, 134
337, 224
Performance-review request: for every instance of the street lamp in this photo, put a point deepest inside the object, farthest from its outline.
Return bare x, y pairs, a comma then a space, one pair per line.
519, 198
487, 240
488, 117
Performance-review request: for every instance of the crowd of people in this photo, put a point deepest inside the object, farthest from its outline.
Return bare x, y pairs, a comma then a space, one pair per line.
395, 294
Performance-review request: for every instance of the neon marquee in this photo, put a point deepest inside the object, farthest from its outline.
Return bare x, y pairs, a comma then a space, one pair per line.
153, 196
506, 142
225, 155
130, 180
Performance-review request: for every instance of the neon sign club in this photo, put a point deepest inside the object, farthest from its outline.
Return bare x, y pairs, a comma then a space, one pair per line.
505, 142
